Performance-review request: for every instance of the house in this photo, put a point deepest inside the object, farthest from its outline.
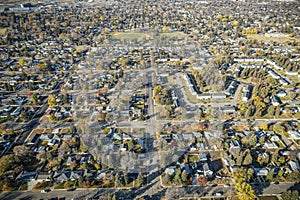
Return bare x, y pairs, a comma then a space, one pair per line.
170, 170
271, 145
34, 139
25, 176
294, 134
229, 109
218, 96
261, 171
275, 101
203, 156
203, 96
283, 81
281, 93
75, 175
291, 73
102, 174
43, 176
294, 165
275, 138
70, 160
53, 142
61, 176
273, 74
234, 144
46, 137
207, 171
245, 96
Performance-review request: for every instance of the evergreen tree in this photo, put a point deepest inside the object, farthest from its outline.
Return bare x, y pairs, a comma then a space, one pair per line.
184, 176
140, 181
270, 175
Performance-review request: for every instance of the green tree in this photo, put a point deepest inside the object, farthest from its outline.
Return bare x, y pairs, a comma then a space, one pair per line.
177, 177
184, 176
130, 144
242, 174
140, 181
270, 175
34, 99
279, 129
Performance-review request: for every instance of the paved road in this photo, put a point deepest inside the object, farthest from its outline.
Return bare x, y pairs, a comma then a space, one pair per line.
153, 190
27, 195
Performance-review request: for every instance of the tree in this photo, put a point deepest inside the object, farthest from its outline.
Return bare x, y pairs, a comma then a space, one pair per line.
177, 177
21, 150
184, 176
7, 162
21, 62
270, 175
166, 179
277, 111
140, 181
109, 196
294, 176
52, 100
264, 127
247, 158
126, 179
130, 145
165, 29
279, 129
119, 180
244, 191
242, 175
201, 180
290, 195
101, 116
34, 99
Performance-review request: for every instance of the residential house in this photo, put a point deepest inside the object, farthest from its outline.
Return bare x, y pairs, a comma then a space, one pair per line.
271, 145
25, 176
207, 170
294, 134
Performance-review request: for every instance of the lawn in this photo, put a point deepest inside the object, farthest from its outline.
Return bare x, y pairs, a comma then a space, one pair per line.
129, 36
